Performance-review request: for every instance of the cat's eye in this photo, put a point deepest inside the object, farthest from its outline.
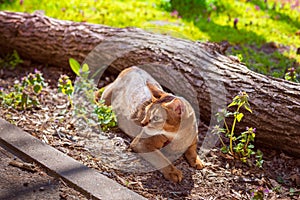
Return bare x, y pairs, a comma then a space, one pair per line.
155, 118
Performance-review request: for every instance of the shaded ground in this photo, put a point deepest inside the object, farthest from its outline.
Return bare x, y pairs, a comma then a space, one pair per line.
19, 183
223, 178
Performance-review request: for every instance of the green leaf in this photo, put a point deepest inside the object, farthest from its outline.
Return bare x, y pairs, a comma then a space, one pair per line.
232, 104
37, 88
75, 66
280, 179
239, 116
229, 114
224, 149
259, 154
216, 129
24, 101
85, 67
220, 118
292, 191
35, 102
247, 107
69, 91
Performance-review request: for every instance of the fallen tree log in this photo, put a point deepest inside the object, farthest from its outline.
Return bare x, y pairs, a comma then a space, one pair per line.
211, 77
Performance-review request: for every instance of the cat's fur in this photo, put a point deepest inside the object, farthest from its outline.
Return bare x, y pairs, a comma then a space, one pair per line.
160, 123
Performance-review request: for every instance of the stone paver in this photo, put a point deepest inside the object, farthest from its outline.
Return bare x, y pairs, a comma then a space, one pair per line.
84, 179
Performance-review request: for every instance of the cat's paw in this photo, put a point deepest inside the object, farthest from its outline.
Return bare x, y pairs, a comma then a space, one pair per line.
197, 163
173, 174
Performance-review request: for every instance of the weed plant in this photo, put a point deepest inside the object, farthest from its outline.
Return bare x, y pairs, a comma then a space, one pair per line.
240, 145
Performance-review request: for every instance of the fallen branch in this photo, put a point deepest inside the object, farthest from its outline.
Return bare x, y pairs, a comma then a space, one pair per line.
197, 70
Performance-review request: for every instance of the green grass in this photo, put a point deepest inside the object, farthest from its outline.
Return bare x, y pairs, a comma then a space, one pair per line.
274, 64
203, 20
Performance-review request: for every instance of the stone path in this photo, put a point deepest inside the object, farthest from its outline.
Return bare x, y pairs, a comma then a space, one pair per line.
87, 181
17, 183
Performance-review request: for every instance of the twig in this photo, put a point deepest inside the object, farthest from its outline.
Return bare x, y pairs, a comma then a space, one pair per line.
26, 166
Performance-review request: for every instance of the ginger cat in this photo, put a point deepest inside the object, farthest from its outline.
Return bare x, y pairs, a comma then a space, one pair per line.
162, 125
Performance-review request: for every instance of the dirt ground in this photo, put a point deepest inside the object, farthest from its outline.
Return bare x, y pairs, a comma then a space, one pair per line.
31, 182
222, 178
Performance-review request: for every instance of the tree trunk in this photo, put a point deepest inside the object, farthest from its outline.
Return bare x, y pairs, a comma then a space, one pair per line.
197, 71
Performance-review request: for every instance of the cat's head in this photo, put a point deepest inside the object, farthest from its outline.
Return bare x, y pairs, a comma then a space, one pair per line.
164, 112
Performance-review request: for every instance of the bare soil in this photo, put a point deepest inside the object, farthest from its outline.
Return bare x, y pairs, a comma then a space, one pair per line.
222, 178
30, 183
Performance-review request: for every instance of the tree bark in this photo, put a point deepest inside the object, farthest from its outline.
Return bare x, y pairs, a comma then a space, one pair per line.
210, 77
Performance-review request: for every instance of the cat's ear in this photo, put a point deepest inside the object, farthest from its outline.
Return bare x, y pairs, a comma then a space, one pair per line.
176, 106
155, 91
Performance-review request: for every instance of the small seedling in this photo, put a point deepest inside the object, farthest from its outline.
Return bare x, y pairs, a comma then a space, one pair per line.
259, 193
240, 57
65, 86
24, 94
240, 147
85, 86
77, 69
11, 61
294, 192
106, 117
291, 75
